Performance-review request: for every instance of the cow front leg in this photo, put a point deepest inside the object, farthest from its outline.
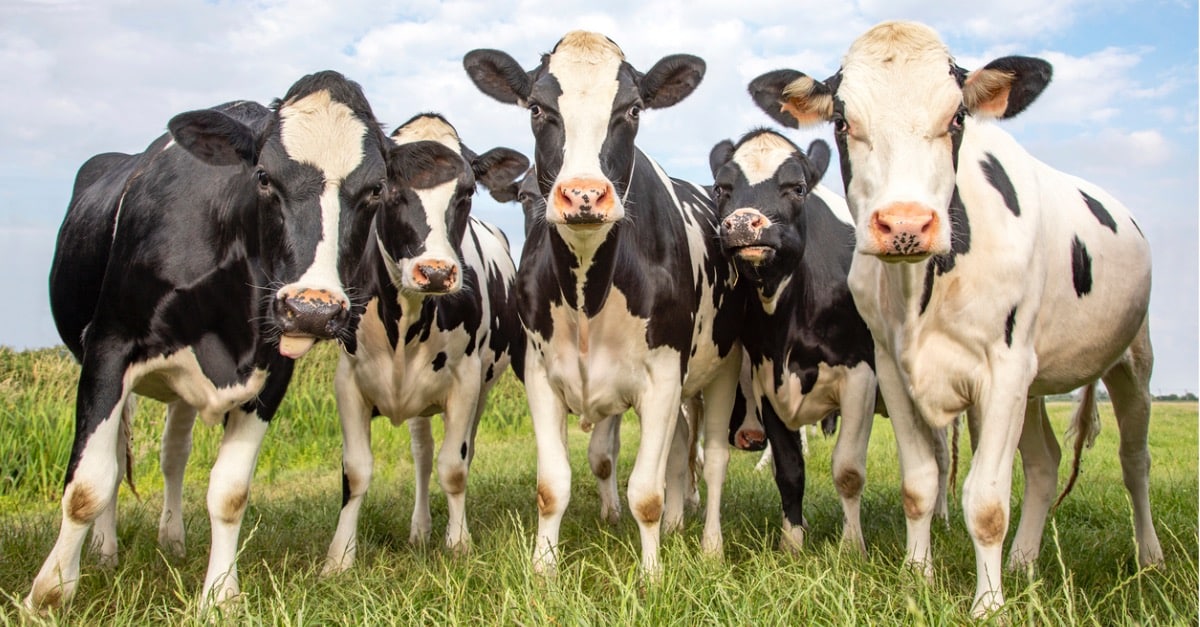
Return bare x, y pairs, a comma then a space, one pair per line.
604, 448
918, 463
677, 484
788, 456
850, 452
228, 493
92, 477
658, 412
987, 489
173, 459
420, 432
1040, 456
358, 463
454, 465
549, 416
718, 406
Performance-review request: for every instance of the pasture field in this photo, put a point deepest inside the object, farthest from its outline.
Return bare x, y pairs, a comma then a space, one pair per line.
1087, 573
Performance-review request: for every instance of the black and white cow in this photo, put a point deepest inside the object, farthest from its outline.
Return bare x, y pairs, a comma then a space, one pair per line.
194, 273
440, 326
810, 353
987, 278
622, 289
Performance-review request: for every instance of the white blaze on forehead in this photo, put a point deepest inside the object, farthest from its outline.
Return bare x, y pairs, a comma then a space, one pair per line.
761, 157
427, 128
585, 66
321, 132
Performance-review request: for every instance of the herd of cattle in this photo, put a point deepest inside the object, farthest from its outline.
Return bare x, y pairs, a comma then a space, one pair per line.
959, 275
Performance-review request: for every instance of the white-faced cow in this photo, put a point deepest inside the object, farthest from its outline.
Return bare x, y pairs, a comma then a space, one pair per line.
987, 278
622, 289
194, 273
810, 354
440, 326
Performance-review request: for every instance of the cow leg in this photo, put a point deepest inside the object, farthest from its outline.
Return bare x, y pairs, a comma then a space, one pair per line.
988, 486
658, 411
358, 463
918, 463
789, 477
850, 452
766, 460
677, 481
746, 430
91, 479
718, 404
104, 529
173, 459
1040, 456
603, 450
549, 416
941, 451
1128, 384
421, 444
228, 493
694, 410
454, 462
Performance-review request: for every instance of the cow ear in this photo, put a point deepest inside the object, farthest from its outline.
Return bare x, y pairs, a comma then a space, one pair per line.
214, 138
424, 164
792, 98
498, 75
721, 154
671, 80
1006, 86
818, 157
498, 170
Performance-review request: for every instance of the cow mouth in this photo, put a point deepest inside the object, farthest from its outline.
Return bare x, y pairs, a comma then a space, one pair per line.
295, 346
754, 253
902, 258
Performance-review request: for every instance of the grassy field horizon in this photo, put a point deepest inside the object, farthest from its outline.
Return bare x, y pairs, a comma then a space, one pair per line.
1087, 572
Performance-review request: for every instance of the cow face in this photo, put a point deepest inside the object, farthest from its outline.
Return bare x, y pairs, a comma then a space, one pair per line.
760, 186
432, 180
584, 103
900, 108
318, 171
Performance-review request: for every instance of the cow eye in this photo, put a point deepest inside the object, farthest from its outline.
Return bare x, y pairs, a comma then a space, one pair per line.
799, 190
635, 112
956, 123
377, 191
720, 193
535, 110
263, 179
840, 125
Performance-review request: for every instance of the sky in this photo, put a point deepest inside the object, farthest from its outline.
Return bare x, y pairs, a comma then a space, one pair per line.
84, 77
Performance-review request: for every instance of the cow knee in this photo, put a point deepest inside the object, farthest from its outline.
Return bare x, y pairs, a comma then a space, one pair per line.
83, 503
227, 505
552, 497
918, 499
849, 482
988, 523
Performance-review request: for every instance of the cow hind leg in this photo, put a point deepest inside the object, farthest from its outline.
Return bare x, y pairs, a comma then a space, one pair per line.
604, 447
454, 468
104, 529
1040, 456
228, 494
421, 444
677, 482
1128, 384
91, 484
173, 459
850, 456
718, 405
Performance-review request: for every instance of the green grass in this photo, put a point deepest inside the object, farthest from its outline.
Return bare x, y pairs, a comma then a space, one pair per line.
1087, 573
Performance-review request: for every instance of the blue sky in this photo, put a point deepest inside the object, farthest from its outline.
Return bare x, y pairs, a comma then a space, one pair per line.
88, 77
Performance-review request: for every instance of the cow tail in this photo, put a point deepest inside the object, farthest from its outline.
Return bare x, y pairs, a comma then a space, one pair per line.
1085, 425
952, 482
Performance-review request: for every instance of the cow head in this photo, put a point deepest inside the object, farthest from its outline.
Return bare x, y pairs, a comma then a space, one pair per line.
433, 176
760, 186
585, 101
900, 108
318, 170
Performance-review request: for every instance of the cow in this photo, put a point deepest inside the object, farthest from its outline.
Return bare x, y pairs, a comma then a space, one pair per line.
604, 442
439, 328
791, 242
622, 289
195, 273
987, 278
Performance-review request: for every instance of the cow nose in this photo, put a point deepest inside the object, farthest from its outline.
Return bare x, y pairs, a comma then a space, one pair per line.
743, 227
312, 312
584, 200
904, 229
435, 275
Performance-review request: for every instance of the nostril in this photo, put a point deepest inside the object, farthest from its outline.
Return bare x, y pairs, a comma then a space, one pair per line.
758, 222
881, 225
